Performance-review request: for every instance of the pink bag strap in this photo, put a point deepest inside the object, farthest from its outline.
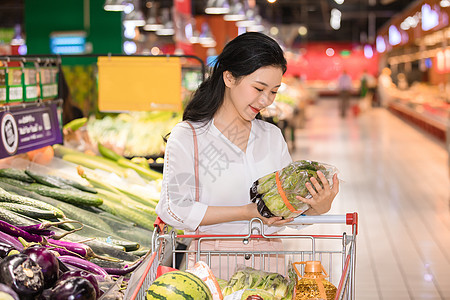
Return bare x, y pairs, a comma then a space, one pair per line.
194, 134
197, 188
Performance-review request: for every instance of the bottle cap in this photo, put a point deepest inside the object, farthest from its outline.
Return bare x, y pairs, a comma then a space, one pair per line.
313, 267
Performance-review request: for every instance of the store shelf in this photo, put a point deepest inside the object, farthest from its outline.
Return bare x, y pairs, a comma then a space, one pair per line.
433, 124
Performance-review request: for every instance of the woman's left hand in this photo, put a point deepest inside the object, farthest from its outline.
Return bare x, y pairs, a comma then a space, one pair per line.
322, 197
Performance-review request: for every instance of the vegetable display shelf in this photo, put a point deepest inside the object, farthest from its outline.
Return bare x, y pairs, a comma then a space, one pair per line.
432, 123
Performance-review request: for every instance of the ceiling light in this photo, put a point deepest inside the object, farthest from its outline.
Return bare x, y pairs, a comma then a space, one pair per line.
445, 3
249, 20
217, 7
339, 1
206, 38
274, 30
136, 18
114, 5
302, 30
168, 28
152, 23
237, 12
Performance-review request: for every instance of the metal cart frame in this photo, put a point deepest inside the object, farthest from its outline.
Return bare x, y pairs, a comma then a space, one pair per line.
152, 267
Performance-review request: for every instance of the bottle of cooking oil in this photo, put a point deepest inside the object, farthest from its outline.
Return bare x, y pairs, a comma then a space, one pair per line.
313, 285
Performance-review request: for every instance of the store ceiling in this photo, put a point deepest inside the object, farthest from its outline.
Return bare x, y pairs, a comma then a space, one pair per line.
314, 14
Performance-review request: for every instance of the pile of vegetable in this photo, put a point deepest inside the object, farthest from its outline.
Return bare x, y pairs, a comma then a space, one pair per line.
268, 191
249, 281
135, 133
90, 224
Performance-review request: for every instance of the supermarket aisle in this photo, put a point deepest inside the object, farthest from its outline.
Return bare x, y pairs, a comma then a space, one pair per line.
397, 179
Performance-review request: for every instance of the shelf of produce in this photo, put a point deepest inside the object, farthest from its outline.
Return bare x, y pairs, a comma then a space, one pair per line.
431, 123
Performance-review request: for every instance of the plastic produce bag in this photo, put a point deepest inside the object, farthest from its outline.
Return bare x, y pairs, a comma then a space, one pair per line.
275, 194
247, 281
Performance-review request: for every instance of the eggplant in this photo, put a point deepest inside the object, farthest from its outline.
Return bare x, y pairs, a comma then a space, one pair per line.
7, 293
73, 288
85, 274
46, 260
5, 249
22, 274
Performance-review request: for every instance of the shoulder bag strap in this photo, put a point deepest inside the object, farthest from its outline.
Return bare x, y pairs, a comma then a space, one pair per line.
197, 189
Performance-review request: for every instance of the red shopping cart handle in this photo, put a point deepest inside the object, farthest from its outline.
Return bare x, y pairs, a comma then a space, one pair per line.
352, 219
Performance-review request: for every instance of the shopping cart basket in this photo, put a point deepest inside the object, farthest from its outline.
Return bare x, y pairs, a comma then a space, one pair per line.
337, 253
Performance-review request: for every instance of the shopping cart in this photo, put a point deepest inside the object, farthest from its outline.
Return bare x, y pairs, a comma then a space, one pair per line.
336, 252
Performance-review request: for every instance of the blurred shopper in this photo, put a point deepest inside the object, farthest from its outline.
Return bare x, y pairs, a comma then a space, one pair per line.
402, 82
232, 150
345, 90
385, 86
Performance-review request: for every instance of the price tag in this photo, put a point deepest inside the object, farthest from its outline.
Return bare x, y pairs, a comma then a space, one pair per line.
15, 88
2, 86
29, 128
30, 84
49, 82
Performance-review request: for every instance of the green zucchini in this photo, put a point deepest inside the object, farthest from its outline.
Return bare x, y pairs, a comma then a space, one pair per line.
28, 211
143, 220
49, 181
14, 182
129, 246
8, 197
14, 218
75, 184
16, 174
73, 197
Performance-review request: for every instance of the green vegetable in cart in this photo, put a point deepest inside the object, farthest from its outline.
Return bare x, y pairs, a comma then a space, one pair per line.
278, 197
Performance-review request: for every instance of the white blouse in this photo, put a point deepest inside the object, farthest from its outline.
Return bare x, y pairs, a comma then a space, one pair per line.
226, 173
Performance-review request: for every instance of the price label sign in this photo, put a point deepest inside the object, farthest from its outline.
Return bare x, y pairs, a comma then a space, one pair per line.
15, 88
29, 128
30, 84
3, 85
49, 82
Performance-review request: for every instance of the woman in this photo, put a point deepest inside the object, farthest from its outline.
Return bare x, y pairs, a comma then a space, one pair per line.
234, 148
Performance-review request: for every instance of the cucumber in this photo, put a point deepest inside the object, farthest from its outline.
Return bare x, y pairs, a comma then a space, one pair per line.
141, 219
16, 174
28, 211
8, 197
14, 218
75, 184
73, 197
14, 182
129, 246
49, 181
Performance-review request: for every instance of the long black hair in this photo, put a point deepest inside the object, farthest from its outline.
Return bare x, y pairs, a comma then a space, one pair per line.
241, 56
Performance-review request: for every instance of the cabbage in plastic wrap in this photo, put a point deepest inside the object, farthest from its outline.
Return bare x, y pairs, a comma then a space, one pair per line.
264, 192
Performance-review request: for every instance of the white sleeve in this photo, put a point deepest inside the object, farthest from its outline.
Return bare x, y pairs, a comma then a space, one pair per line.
177, 205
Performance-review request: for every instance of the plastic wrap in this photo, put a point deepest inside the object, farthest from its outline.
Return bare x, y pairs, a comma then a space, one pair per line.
268, 191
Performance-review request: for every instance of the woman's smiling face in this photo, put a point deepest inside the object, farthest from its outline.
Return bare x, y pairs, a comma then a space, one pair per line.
251, 93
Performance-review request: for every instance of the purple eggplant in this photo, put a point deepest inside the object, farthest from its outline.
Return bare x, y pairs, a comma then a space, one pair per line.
22, 274
73, 288
46, 260
5, 249
80, 273
7, 293
83, 264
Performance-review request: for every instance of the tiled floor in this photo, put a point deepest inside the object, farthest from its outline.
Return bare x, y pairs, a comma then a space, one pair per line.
397, 179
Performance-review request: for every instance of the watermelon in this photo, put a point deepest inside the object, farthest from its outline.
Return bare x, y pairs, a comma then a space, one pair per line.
178, 285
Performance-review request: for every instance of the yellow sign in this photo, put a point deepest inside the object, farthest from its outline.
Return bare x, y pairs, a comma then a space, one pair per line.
139, 83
